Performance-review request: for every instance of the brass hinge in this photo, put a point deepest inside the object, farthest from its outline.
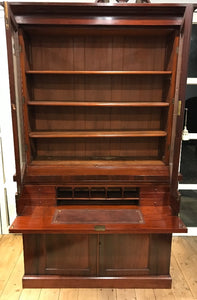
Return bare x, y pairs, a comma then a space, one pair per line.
177, 49
172, 100
179, 108
6, 15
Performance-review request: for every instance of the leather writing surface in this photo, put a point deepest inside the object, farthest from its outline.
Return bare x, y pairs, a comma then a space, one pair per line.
109, 216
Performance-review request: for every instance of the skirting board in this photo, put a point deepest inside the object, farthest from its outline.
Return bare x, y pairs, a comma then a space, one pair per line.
54, 281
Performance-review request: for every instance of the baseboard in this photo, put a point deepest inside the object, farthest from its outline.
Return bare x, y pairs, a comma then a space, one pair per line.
55, 281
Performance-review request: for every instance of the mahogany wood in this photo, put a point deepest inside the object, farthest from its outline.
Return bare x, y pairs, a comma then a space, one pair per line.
115, 262
60, 134
101, 72
55, 281
42, 20
49, 32
100, 90
113, 104
9, 34
170, 97
26, 96
156, 220
100, 119
98, 54
175, 200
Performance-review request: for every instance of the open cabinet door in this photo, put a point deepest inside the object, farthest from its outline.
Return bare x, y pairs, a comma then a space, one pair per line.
13, 50
182, 67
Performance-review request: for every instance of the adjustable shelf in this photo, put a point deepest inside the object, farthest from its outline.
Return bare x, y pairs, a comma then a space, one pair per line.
89, 134
48, 72
112, 104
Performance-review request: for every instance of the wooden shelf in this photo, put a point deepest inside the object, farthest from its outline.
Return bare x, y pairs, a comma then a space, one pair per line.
92, 134
113, 163
71, 103
45, 72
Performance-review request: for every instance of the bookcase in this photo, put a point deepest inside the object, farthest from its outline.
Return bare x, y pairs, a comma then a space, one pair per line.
97, 94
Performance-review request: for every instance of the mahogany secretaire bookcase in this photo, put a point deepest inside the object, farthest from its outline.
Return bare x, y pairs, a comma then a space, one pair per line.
97, 97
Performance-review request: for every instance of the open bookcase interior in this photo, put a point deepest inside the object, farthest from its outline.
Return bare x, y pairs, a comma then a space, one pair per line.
98, 94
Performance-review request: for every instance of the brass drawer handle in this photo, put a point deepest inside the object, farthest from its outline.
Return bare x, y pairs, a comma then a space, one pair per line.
99, 227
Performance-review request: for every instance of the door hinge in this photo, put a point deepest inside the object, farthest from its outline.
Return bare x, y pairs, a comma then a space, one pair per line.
179, 108
6, 15
177, 49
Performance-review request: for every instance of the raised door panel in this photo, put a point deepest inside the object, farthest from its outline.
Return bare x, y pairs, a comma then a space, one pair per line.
70, 254
124, 255
134, 254
61, 254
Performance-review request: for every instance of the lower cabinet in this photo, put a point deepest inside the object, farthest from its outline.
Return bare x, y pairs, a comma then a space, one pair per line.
72, 258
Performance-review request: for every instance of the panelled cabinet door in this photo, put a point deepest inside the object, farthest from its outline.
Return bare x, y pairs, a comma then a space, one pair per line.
130, 255
133, 254
61, 254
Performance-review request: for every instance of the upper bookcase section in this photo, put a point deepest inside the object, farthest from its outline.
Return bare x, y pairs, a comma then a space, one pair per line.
97, 14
